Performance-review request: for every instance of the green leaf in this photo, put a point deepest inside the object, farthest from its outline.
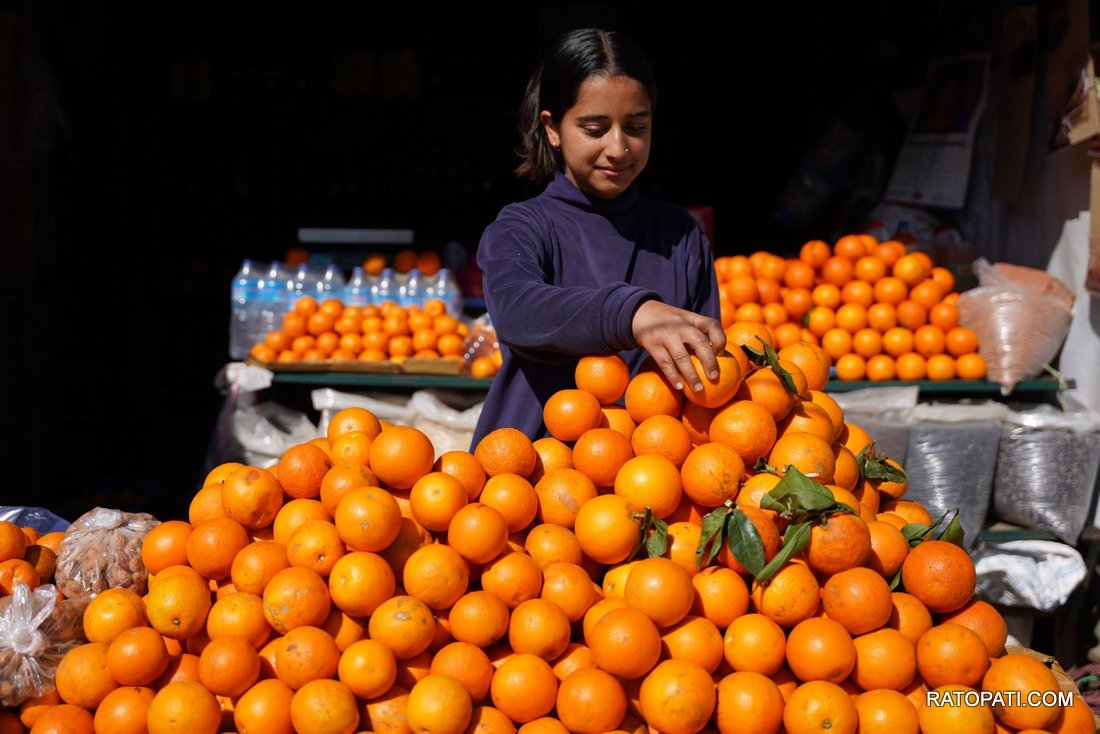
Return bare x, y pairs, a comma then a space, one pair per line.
773, 361
896, 581
710, 539
954, 532
762, 466
798, 494
756, 356
657, 543
875, 468
795, 541
744, 541
915, 532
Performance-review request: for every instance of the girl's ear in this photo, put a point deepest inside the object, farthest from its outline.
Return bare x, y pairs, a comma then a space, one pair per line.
552, 134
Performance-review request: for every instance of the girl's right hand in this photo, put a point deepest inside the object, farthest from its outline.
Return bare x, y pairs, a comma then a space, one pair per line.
671, 335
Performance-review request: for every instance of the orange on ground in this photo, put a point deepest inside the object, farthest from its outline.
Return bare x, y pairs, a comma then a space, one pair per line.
754, 643
661, 590
886, 712
677, 697
567, 414
951, 654
625, 643
506, 450
83, 677
265, 707
651, 481
213, 545
296, 597
721, 595
524, 688
177, 606
600, 453
711, 474
436, 575
939, 574
819, 706
884, 659
514, 578
359, 582
954, 715
662, 434
792, 595
858, 598
400, 455
539, 627
324, 706
561, 494
747, 700
256, 564
649, 393
1017, 674
983, 619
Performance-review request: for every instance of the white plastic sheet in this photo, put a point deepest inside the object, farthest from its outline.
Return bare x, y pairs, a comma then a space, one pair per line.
1069, 263
882, 412
1039, 574
266, 430
431, 411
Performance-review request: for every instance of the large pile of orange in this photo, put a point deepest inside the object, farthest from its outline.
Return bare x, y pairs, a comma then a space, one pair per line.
879, 312
734, 560
329, 330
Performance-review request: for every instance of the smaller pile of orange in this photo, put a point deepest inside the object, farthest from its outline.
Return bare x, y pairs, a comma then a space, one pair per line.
330, 331
878, 311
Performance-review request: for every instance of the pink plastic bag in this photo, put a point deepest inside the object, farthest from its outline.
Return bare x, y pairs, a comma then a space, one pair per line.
1021, 316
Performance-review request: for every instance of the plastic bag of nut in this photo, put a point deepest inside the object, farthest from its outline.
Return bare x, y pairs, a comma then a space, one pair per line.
36, 630
102, 550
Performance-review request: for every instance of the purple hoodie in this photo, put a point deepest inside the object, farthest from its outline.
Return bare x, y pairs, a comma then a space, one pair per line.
564, 273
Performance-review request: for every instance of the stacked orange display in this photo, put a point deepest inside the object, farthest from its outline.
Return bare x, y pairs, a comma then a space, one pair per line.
329, 330
878, 311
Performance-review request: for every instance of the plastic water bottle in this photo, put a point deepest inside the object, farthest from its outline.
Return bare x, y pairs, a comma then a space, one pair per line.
447, 290
357, 291
273, 299
304, 282
383, 289
410, 293
331, 284
242, 302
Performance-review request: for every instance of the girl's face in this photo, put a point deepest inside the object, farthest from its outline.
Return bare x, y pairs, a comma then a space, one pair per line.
605, 136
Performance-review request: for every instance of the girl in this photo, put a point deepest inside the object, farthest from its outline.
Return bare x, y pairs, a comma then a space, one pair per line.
591, 266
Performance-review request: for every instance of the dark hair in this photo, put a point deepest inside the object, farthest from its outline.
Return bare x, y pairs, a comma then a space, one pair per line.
574, 57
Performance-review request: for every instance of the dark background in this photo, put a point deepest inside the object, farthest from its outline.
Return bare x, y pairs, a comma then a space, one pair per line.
146, 149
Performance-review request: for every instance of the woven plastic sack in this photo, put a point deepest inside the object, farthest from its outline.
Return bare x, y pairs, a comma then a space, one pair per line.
36, 630
102, 550
1021, 316
950, 467
1045, 479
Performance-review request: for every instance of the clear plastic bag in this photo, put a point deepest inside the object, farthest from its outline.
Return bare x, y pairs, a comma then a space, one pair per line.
482, 341
36, 630
1021, 316
102, 550
263, 432
1046, 479
38, 518
951, 463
